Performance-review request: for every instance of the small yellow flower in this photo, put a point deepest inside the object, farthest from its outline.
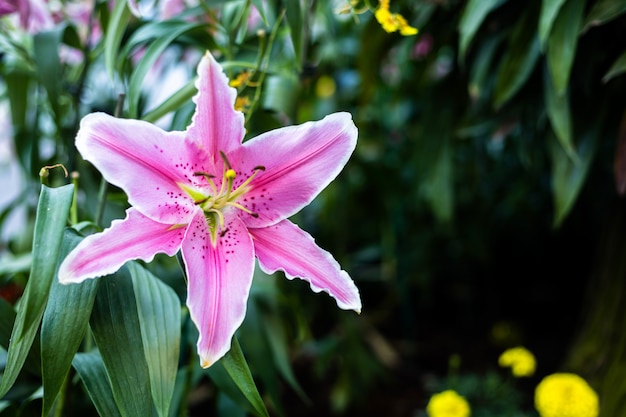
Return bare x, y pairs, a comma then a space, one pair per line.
520, 360
242, 79
448, 404
242, 104
392, 22
565, 395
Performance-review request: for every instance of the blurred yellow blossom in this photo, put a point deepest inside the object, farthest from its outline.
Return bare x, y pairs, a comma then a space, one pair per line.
520, 360
392, 22
242, 104
565, 395
448, 404
242, 80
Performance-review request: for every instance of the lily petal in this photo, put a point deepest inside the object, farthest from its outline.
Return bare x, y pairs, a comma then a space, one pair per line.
298, 162
146, 162
219, 277
216, 124
286, 247
135, 237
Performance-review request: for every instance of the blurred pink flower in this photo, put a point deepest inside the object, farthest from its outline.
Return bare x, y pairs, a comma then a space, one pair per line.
34, 15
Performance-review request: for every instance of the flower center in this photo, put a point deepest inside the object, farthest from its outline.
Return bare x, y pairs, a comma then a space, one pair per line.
217, 201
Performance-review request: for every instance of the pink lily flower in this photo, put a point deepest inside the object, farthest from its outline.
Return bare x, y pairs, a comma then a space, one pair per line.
219, 201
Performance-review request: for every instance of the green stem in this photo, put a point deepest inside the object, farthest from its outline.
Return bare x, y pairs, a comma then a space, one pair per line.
102, 193
74, 206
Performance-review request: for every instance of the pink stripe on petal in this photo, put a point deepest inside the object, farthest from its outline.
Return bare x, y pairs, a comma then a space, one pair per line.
298, 161
146, 162
219, 283
216, 124
135, 237
286, 247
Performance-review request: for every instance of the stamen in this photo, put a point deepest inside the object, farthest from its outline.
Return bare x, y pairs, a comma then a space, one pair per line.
209, 179
223, 155
259, 168
224, 232
240, 207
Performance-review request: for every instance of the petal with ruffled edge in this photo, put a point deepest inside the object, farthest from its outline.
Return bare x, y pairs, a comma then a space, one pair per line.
135, 237
219, 278
286, 247
146, 162
216, 124
298, 161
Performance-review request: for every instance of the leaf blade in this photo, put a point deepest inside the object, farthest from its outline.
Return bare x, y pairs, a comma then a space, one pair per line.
63, 327
52, 211
90, 368
158, 307
115, 326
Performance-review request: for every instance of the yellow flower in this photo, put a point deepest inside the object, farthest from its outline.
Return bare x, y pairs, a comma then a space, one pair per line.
448, 404
242, 104
520, 360
565, 395
392, 22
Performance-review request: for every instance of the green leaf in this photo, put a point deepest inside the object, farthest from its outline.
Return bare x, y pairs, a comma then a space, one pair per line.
63, 327
618, 67
52, 211
113, 35
519, 59
48, 64
116, 329
17, 84
90, 368
234, 366
280, 93
295, 21
558, 110
260, 6
481, 72
568, 175
173, 102
604, 11
562, 43
169, 33
473, 16
549, 11
159, 319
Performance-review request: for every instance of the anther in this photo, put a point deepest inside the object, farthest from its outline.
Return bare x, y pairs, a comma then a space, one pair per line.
223, 155
203, 174
259, 168
224, 232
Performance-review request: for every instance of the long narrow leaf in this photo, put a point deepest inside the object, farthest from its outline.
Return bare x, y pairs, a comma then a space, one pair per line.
113, 35
473, 16
91, 370
115, 326
64, 324
295, 20
234, 365
569, 175
549, 11
151, 54
519, 59
52, 212
604, 11
159, 319
563, 41
558, 109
